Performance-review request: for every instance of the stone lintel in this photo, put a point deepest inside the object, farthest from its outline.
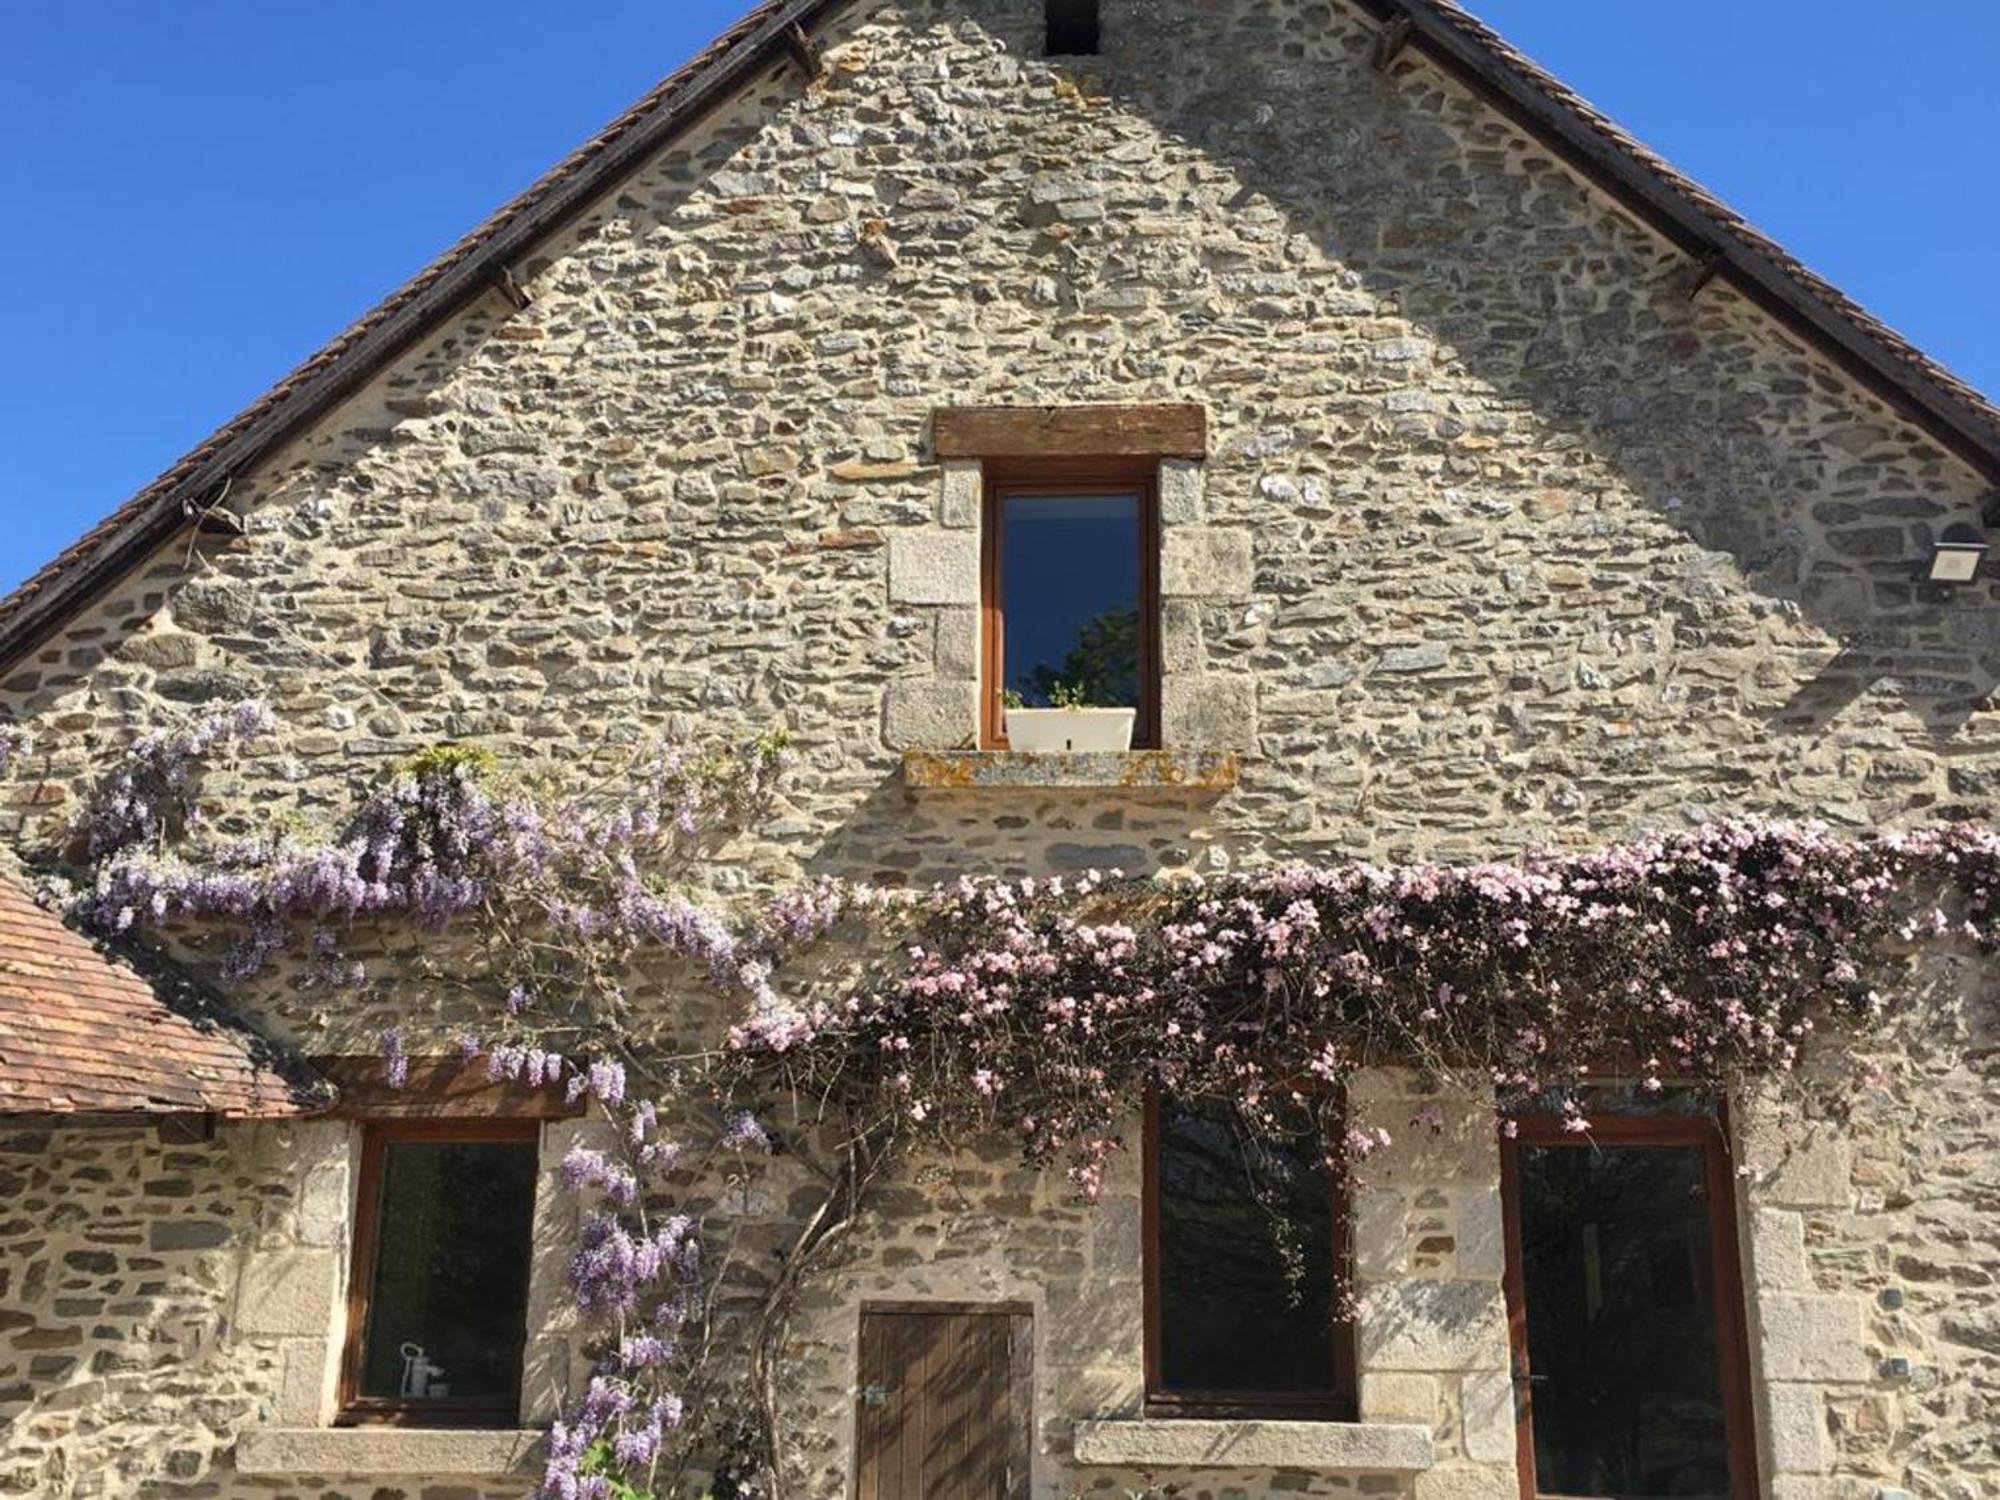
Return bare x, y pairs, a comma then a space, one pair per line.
1371, 1447
1193, 772
386, 1451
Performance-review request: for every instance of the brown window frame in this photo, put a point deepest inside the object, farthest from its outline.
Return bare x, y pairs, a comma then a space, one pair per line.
355, 1409
1710, 1133
1341, 1404
1002, 479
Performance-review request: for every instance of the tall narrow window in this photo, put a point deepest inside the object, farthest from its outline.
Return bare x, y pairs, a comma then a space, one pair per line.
1245, 1255
1623, 1278
437, 1309
1071, 597
1072, 27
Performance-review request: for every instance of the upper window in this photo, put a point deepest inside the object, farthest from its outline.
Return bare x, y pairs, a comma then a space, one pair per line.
1623, 1278
437, 1308
1071, 597
1246, 1256
1072, 27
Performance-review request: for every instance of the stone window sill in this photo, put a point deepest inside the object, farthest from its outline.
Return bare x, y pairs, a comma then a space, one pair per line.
367, 1452
1373, 1447
1189, 772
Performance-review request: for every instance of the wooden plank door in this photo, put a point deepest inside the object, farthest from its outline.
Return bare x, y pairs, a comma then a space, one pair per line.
942, 1405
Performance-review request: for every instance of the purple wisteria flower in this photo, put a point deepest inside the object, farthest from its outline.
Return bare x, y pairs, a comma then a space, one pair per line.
743, 1133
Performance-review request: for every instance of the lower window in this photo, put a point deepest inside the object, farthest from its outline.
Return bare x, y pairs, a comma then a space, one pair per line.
1245, 1261
437, 1308
1630, 1372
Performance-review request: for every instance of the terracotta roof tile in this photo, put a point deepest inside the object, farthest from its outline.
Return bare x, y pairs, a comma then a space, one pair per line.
83, 1033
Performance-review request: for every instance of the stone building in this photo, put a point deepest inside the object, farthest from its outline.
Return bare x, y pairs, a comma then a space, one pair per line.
1460, 477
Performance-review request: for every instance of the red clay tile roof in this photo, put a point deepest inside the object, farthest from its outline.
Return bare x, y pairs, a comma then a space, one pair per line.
82, 1034
1928, 392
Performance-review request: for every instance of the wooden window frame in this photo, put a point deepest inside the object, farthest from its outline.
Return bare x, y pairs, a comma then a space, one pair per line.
1709, 1133
1340, 1404
355, 1409
1006, 478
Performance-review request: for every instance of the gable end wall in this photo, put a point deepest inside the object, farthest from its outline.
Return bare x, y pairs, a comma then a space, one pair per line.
1501, 540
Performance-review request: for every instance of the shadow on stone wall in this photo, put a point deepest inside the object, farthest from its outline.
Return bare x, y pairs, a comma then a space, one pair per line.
1823, 505
1594, 376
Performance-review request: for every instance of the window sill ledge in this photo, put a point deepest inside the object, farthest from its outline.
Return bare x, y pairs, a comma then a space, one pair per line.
1201, 773
386, 1451
1372, 1447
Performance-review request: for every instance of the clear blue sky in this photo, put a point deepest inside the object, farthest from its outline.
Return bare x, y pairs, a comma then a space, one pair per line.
197, 193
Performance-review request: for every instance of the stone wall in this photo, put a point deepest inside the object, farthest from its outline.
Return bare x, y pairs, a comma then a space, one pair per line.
162, 1304
982, 1229
1867, 1239
161, 1301
129, 1362
1875, 1249
1502, 539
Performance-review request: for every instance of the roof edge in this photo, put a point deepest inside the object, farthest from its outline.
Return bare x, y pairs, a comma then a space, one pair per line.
1921, 390
355, 356
1676, 207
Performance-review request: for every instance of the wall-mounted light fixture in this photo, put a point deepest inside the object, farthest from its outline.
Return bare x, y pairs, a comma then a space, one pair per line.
1956, 557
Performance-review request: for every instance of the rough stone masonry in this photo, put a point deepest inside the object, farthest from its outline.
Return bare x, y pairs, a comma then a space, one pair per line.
1503, 539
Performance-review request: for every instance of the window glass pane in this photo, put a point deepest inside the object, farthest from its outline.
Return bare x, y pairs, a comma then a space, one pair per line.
1069, 571
1246, 1294
450, 1283
1619, 1279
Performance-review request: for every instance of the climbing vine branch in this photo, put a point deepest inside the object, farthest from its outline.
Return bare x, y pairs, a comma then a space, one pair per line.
874, 1023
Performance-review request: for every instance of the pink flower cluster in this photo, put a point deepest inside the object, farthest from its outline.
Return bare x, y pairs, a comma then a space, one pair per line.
1047, 1007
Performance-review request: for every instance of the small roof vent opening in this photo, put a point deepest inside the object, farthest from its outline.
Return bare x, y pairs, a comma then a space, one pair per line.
1072, 28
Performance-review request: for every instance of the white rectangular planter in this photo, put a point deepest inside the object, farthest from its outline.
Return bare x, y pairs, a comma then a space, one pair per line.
1039, 730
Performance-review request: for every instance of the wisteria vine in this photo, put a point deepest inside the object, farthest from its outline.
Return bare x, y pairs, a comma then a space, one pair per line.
1041, 1010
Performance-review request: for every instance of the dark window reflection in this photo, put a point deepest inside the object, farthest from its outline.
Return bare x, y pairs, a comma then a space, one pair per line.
451, 1270
1622, 1341
1070, 592
1246, 1261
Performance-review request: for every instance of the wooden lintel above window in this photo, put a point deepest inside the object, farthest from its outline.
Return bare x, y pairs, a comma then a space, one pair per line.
1094, 432
437, 1088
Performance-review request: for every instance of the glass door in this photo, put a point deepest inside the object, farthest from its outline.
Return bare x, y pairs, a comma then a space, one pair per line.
1625, 1300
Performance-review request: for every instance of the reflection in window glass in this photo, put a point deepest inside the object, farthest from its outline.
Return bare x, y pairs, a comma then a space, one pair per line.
1246, 1286
447, 1301
1070, 597
1618, 1272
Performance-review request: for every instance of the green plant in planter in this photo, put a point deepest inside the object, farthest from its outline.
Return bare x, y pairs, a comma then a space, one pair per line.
1060, 694
1070, 695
